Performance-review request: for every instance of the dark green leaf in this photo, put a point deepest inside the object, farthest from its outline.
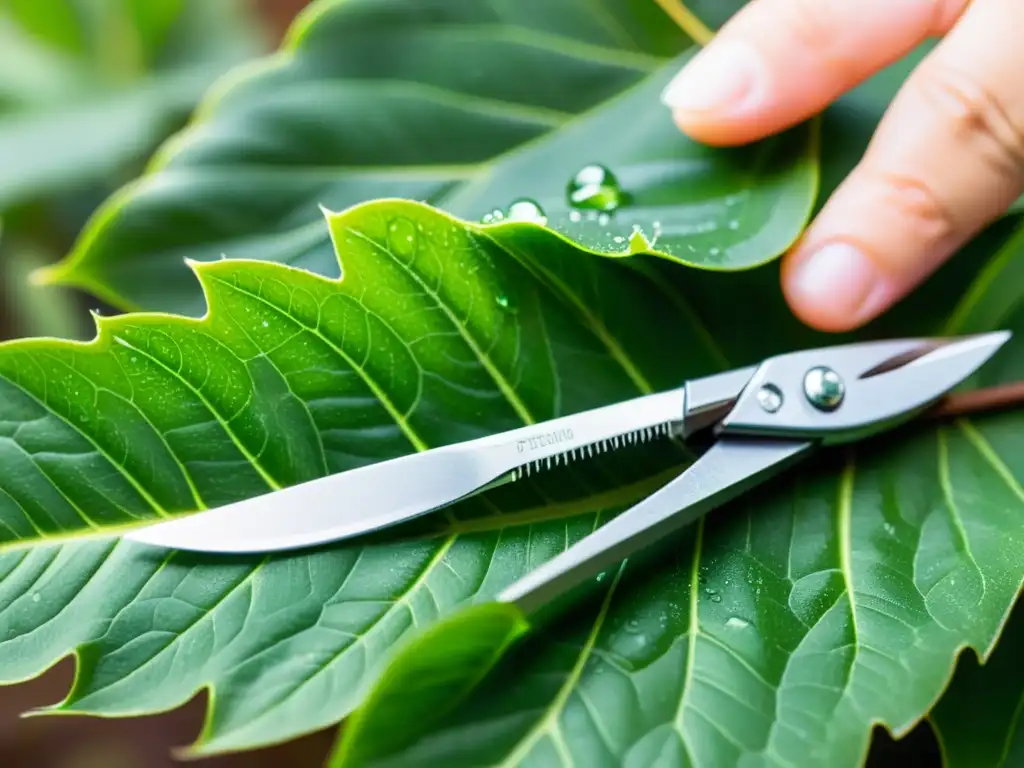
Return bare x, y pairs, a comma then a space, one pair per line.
462, 104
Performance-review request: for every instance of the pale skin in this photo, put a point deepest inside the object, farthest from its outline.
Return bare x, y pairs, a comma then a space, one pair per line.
946, 160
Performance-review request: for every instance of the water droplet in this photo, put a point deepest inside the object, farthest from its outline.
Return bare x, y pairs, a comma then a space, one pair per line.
506, 303
604, 219
716, 598
595, 188
890, 528
575, 217
600, 577
526, 210
715, 251
36, 597
266, 324
402, 238
734, 224
735, 622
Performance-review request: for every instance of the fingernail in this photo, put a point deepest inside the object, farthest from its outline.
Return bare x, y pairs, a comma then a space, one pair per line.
721, 76
839, 280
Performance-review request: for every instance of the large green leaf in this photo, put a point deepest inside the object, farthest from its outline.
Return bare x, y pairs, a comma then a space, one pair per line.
463, 104
978, 721
824, 603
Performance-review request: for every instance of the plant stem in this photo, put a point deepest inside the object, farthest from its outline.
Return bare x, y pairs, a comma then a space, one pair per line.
980, 400
686, 20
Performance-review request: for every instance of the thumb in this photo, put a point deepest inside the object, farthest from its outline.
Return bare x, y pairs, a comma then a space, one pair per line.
947, 159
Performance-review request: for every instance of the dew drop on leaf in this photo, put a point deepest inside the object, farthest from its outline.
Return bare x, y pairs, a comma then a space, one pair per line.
595, 188
735, 622
716, 598
402, 237
526, 210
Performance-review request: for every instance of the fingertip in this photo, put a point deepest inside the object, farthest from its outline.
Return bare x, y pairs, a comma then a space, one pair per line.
779, 62
836, 286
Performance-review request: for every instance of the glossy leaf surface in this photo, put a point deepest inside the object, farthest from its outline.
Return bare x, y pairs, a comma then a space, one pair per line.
874, 564
466, 105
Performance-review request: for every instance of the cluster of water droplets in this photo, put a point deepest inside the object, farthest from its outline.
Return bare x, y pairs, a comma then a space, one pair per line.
593, 194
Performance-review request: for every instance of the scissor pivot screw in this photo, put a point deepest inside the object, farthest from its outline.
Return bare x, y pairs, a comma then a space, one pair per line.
824, 388
770, 398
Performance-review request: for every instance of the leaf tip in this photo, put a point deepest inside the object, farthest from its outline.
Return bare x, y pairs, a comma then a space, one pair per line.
430, 674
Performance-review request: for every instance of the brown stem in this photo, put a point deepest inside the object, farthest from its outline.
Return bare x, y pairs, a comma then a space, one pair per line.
980, 400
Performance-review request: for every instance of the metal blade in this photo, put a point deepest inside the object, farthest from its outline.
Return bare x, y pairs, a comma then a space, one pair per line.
882, 385
391, 492
729, 468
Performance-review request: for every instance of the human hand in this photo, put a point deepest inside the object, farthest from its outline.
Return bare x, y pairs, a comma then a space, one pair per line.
946, 160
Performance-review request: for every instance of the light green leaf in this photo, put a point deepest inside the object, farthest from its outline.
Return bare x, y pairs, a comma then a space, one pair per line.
980, 720
464, 105
781, 628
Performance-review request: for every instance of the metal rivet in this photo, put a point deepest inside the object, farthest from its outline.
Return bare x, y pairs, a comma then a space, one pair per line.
824, 388
770, 398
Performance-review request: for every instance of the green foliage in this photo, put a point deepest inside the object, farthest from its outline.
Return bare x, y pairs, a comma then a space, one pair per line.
549, 89
780, 630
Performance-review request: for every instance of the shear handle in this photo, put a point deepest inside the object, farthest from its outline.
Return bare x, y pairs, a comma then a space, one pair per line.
729, 468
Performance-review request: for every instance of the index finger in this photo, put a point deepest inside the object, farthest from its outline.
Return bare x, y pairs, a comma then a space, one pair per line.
777, 62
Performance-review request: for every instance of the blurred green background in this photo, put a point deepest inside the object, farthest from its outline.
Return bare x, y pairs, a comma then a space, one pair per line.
88, 90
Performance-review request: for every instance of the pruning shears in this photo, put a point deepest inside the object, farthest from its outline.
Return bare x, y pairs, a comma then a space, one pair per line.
763, 418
